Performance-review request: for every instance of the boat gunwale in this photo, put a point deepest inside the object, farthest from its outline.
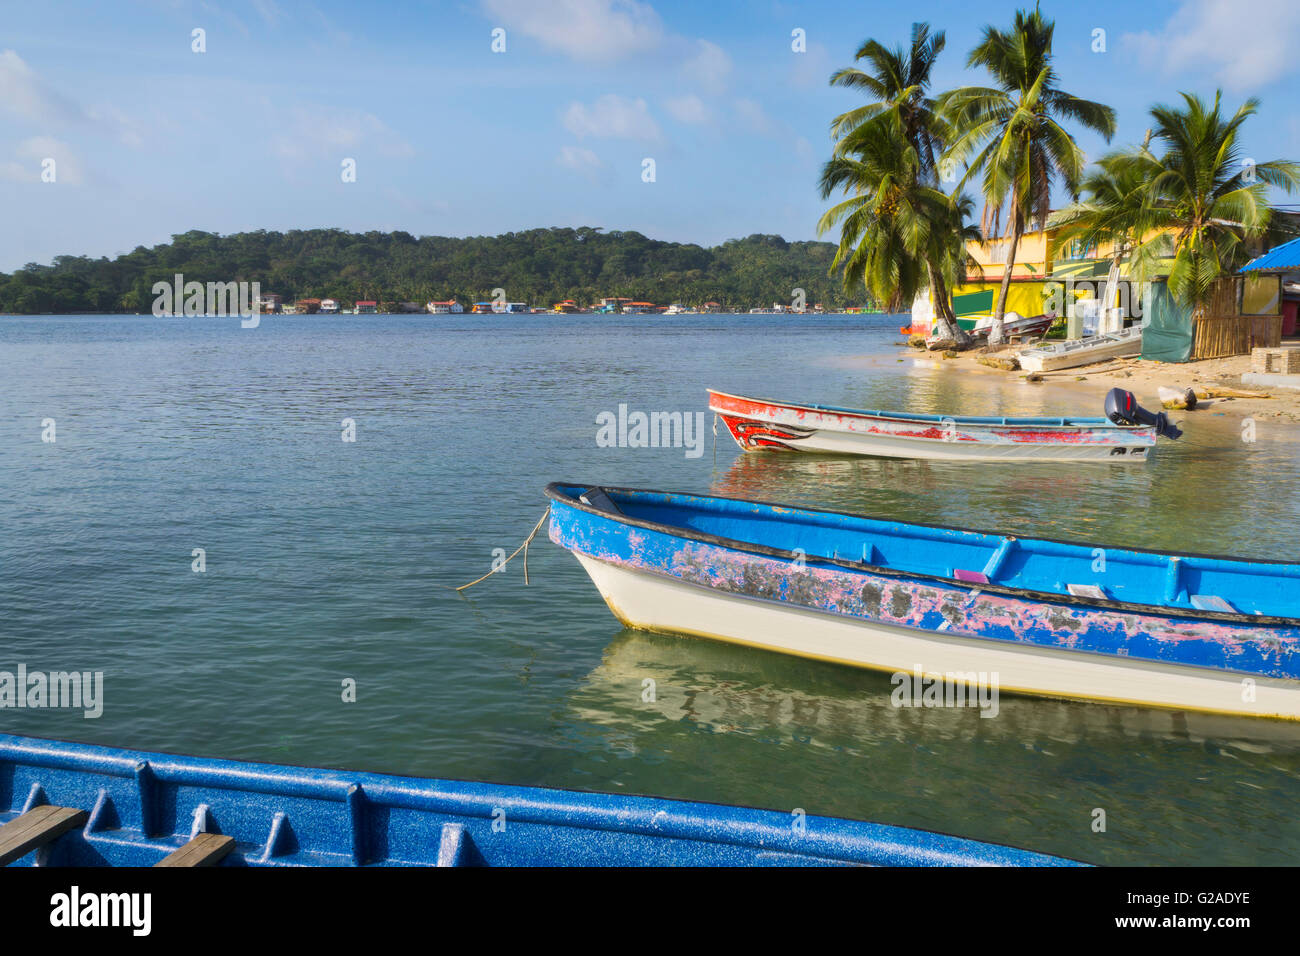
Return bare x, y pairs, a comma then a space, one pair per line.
555, 493
621, 814
1026, 422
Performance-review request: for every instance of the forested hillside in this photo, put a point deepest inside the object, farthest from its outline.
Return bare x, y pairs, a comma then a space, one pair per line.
540, 267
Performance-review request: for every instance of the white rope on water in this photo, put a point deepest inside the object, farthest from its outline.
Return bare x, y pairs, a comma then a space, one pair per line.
523, 547
715, 443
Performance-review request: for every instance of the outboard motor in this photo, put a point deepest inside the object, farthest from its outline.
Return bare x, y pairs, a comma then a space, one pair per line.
1122, 409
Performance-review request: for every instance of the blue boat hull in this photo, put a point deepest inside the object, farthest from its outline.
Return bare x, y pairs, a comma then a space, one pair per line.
894, 597
143, 806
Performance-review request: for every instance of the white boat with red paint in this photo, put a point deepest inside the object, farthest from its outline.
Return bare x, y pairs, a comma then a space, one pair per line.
1129, 434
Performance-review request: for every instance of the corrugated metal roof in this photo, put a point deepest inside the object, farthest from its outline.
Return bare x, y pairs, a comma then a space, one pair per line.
1281, 259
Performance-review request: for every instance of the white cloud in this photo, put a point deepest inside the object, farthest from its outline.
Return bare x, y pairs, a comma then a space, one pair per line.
22, 92
26, 95
12, 172
753, 117
1242, 46
582, 161
612, 116
688, 109
591, 30
709, 67
32, 153
579, 158
312, 129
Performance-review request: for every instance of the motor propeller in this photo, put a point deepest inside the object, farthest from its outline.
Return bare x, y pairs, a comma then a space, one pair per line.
1122, 409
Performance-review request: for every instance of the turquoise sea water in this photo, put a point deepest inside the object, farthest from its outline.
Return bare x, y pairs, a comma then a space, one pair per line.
328, 560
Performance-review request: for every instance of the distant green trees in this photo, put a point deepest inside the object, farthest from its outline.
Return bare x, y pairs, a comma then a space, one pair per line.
539, 266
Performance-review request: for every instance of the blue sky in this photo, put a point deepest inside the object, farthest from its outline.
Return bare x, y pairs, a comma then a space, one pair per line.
450, 138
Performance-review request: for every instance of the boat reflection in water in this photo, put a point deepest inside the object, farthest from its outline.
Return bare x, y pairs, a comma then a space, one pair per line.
727, 689
760, 728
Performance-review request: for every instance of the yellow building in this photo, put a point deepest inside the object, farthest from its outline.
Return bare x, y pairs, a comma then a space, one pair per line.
1038, 273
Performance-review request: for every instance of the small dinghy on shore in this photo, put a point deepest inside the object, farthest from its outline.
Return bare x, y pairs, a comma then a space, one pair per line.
1036, 616
757, 423
1071, 354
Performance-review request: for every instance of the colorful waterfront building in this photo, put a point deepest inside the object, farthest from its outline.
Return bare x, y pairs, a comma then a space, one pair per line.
1044, 269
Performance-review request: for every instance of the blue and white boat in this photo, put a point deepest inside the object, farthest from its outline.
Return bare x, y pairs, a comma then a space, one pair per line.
69, 804
1025, 615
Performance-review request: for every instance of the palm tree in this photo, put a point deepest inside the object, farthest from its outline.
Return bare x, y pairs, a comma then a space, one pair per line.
897, 235
1203, 192
881, 221
1012, 132
899, 83
1115, 210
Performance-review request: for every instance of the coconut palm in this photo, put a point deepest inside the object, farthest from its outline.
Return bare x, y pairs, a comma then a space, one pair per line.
899, 82
880, 218
897, 234
1206, 193
1012, 132
1115, 209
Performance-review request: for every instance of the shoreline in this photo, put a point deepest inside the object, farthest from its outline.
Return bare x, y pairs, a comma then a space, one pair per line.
1142, 377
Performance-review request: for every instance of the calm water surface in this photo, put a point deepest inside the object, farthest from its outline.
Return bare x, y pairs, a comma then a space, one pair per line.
329, 560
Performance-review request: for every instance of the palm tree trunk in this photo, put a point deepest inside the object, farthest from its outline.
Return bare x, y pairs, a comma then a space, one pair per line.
944, 319
1000, 310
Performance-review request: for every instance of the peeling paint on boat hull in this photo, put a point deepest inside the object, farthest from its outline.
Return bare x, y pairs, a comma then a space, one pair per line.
756, 424
1147, 658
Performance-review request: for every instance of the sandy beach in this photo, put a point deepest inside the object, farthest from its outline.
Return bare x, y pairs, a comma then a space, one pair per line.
1141, 377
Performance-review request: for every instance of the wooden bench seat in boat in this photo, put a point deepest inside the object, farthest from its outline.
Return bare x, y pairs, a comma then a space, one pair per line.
204, 849
36, 828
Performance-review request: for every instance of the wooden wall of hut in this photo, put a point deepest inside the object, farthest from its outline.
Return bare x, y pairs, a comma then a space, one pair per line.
1225, 297
1223, 331
1222, 336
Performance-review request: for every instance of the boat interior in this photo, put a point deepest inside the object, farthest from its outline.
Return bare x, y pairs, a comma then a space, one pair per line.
1031, 422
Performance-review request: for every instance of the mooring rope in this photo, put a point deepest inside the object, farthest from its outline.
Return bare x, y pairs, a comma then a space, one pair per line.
715, 443
523, 547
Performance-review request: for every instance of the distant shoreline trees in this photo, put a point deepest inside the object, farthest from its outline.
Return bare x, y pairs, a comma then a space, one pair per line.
538, 266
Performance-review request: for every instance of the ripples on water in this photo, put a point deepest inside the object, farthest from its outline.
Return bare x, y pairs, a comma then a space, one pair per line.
329, 560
